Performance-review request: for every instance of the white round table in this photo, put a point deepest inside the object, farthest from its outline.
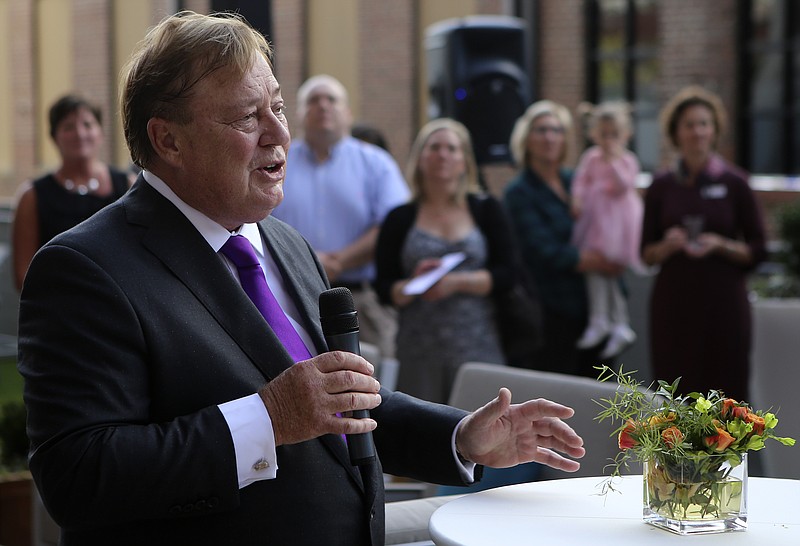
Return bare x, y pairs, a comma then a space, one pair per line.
571, 511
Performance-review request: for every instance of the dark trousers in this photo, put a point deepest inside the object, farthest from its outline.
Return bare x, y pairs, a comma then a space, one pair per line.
559, 353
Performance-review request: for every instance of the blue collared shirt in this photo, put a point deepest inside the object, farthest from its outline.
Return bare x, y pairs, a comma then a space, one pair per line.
333, 203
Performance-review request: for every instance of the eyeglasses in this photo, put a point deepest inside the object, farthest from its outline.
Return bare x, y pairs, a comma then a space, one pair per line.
542, 130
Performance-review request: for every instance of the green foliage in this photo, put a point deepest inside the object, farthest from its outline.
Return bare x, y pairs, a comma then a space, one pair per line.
788, 218
693, 431
776, 285
782, 281
13, 438
10, 380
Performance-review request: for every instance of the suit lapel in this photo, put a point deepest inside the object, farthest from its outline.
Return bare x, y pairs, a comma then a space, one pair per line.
181, 248
302, 277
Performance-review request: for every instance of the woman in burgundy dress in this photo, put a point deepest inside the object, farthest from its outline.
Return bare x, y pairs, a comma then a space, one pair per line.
703, 227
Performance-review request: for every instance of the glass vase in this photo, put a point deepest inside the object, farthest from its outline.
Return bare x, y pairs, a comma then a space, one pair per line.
696, 492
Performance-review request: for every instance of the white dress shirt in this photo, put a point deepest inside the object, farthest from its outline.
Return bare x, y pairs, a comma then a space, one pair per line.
247, 418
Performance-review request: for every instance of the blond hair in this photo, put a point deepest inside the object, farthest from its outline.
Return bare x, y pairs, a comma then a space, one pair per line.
522, 128
173, 57
469, 182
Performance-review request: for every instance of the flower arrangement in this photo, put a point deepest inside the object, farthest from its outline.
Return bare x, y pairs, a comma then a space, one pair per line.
691, 445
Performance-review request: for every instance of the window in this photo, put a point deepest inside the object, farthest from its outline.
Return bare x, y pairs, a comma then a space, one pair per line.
769, 120
257, 12
622, 42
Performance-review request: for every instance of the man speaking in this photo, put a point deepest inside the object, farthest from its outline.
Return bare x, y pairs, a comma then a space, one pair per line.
178, 385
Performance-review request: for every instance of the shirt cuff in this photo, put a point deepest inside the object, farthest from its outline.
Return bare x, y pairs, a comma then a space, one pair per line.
253, 439
465, 468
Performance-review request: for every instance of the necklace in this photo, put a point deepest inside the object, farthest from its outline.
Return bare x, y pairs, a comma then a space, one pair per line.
82, 189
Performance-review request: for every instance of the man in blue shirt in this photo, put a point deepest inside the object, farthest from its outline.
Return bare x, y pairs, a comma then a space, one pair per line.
337, 192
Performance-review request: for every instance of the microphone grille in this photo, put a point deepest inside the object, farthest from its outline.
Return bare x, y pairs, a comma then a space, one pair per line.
336, 301
337, 312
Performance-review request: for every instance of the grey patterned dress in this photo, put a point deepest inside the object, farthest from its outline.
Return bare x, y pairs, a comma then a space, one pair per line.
435, 337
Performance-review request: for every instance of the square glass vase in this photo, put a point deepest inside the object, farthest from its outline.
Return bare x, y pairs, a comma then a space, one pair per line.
696, 494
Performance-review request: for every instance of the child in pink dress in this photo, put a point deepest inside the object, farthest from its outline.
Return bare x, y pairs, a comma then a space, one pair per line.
608, 213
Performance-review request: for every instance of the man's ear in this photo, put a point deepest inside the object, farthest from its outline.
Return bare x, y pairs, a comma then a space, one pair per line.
162, 138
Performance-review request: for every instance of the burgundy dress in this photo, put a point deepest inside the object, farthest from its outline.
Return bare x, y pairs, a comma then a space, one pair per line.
700, 325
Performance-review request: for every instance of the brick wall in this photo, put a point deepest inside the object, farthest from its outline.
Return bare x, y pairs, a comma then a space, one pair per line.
291, 66
562, 59
698, 46
387, 68
92, 62
22, 85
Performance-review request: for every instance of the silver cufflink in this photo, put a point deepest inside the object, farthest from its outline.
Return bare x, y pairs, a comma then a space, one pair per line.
261, 464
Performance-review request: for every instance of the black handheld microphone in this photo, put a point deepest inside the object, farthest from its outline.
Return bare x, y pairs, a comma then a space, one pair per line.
339, 319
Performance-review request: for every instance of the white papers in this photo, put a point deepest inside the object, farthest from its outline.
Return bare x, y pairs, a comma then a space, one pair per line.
420, 284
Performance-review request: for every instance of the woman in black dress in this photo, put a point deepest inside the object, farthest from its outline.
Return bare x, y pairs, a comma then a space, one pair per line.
81, 186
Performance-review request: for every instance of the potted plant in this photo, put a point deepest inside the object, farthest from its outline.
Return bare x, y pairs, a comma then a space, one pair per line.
16, 484
694, 449
13, 438
781, 278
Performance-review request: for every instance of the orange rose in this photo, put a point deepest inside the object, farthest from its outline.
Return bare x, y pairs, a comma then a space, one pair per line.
721, 440
672, 436
758, 423
661, 418
731, 407
626, 440
727, 407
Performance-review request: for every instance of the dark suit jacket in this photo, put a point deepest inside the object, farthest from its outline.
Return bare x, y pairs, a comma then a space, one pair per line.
131, 332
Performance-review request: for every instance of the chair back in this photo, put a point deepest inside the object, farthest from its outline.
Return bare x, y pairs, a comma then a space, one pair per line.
478, 383
774, 379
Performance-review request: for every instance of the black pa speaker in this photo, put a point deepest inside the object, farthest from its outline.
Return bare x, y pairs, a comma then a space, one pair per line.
477, 74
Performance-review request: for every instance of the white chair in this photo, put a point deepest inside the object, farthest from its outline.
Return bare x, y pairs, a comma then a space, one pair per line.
477, 383
774, 379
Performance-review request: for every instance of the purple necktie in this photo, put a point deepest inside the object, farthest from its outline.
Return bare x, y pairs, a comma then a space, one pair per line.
239, 250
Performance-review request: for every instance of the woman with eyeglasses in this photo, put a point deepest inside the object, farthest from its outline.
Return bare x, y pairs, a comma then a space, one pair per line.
538, 203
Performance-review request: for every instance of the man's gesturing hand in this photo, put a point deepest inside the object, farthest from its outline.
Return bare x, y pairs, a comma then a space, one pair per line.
501, 435
303, 401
